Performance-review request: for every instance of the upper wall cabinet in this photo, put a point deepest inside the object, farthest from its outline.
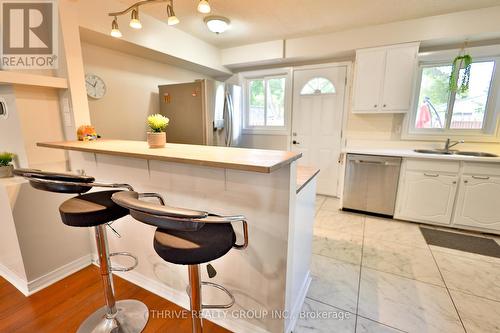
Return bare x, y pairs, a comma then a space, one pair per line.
384, 78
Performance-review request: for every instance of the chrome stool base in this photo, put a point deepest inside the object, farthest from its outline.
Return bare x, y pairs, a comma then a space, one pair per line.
131, 317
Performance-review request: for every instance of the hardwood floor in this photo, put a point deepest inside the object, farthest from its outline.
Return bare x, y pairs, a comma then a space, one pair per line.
61, 307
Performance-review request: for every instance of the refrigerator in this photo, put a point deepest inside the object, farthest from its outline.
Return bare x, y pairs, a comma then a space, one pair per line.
203, 112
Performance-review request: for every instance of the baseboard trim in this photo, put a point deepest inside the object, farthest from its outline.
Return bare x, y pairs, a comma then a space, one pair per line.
30, 287
58, 274
297, 307
18, 282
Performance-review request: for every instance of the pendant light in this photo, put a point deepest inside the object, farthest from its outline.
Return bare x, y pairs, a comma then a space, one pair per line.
115, 31
134, 21
172, 19
204, 7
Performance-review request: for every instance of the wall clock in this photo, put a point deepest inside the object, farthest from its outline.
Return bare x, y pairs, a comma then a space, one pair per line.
96, 88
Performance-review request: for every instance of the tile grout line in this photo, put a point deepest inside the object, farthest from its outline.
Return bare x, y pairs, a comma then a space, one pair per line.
332, 306
447, 289
360, 272
395, 328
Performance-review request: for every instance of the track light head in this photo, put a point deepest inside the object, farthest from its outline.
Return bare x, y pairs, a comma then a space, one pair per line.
115, 31
134, 20
172, 19
204, 7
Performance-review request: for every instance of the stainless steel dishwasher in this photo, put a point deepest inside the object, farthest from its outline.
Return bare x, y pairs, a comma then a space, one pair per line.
371, 183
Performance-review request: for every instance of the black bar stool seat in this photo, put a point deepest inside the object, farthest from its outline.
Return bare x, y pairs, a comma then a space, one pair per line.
210, 242
91, 209
187, 237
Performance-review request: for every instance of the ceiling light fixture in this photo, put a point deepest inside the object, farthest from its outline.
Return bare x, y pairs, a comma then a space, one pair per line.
204, 7
134, 20
115, 31
172, 19
217, 24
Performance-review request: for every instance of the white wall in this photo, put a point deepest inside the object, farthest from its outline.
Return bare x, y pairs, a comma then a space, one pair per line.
132, 90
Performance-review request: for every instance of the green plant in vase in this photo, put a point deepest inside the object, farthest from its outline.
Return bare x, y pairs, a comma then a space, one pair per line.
157, 125
6, 167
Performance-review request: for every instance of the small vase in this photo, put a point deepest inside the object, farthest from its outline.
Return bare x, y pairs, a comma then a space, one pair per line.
6, 171
157, 140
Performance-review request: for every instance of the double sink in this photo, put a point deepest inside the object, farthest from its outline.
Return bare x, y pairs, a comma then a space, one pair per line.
454, 152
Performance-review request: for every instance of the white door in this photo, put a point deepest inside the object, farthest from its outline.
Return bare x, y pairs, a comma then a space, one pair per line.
477, 203
368, 81
318, 104
426, 197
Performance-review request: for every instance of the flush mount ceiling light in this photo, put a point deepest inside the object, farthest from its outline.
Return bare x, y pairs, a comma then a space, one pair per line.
204, 7
217, 24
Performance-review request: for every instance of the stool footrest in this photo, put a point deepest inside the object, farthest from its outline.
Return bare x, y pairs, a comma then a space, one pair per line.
218, 306
124, 269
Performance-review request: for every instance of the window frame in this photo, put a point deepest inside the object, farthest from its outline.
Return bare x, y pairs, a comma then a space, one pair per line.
265, 75
490, 130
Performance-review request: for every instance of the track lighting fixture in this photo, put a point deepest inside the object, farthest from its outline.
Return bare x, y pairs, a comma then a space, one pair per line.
215, 24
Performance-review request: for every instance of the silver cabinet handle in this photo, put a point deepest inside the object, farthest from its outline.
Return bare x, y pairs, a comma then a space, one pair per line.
480, 177
431, 174
369, 162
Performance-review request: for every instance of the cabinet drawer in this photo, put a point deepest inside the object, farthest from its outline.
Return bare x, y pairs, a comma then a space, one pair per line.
431, 165
475, 168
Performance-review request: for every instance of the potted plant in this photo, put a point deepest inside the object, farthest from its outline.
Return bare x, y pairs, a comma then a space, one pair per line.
157, 136
6, 168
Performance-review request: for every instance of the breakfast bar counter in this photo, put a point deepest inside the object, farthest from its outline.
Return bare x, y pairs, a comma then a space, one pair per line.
257, 160
271, 277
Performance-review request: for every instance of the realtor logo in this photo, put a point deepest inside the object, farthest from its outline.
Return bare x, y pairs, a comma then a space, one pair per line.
29, 34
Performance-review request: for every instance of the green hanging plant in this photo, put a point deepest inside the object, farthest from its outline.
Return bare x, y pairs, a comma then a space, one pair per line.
465, 62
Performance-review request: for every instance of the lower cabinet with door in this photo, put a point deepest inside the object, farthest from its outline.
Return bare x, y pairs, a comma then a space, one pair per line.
478, 199
453, 193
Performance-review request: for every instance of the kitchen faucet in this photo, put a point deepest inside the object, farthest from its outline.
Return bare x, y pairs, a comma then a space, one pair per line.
449, 144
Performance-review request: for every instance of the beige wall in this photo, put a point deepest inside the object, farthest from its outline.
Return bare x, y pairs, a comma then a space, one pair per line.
132, 90
40, 120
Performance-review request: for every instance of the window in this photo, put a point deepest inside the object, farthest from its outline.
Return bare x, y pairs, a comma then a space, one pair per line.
441, 112
266, 101
318, 85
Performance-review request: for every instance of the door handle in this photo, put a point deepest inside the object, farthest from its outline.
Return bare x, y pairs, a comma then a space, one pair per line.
480, 177
295, 142
431, 174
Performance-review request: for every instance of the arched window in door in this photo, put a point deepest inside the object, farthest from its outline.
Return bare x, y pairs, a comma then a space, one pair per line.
318, 86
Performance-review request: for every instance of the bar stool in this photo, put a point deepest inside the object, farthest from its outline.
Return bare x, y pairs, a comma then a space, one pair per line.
95, 209
187, 237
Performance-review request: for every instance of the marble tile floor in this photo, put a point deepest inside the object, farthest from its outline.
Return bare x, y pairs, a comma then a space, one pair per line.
375, 275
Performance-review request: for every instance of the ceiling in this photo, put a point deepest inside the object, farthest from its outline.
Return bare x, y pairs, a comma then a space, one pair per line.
255, 21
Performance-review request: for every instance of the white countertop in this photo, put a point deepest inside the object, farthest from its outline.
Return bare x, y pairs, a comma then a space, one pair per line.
412, 154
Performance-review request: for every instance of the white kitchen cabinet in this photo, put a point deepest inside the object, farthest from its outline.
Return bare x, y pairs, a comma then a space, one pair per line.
370, 67
426, 197
478, 202
384, 78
